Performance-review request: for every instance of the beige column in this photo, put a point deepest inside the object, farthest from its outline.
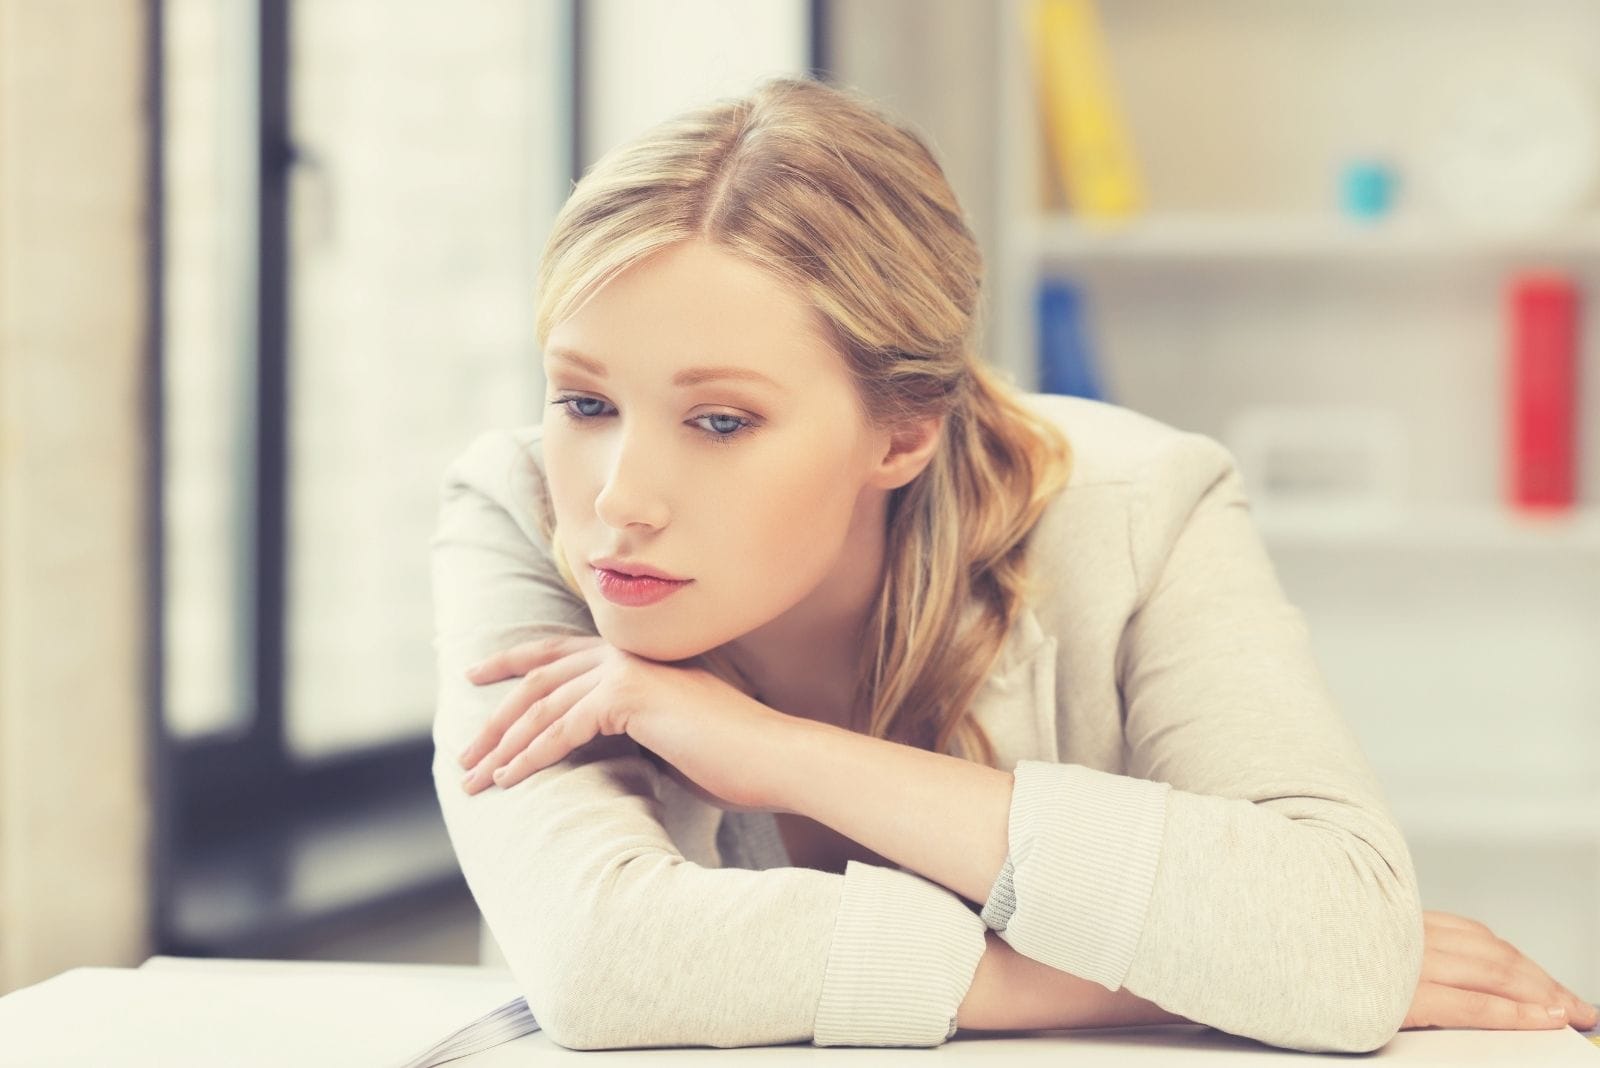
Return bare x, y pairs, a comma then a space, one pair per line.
75, 807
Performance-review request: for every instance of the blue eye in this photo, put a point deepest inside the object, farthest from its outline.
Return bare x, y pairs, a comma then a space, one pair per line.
723, 430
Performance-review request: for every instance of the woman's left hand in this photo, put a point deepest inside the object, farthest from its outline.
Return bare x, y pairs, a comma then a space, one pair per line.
1473, 979
575, 687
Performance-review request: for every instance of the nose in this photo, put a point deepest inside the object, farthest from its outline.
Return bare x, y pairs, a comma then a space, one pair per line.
632, 494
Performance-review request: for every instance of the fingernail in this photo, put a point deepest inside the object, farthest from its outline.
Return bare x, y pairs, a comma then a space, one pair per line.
470, 672
462, 759
1557, 1011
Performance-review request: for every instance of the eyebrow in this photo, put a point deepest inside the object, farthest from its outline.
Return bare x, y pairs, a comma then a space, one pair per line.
689, 376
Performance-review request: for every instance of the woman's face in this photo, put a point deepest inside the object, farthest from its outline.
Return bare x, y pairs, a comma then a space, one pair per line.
747, 486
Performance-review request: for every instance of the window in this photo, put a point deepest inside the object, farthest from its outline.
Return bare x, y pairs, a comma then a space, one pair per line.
355, 198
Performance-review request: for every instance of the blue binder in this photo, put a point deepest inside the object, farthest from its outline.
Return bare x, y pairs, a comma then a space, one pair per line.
1066, 361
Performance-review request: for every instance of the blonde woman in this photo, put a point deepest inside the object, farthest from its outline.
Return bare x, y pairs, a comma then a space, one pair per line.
814, 684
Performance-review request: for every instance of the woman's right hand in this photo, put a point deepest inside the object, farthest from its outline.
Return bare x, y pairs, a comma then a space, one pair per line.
1472, 979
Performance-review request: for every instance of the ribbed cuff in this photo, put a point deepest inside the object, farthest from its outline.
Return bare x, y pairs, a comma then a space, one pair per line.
1002, 900
903, 957
1084, 849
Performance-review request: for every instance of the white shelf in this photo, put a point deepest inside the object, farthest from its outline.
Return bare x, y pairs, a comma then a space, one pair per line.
1261, 236
1430, 528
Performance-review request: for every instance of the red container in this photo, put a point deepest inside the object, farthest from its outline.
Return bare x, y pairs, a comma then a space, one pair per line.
1543, 391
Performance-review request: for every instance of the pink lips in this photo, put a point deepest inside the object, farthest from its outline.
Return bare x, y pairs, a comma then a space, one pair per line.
635, 591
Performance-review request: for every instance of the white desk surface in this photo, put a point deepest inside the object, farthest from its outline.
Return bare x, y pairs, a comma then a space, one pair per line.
176, 1012
1168, 1046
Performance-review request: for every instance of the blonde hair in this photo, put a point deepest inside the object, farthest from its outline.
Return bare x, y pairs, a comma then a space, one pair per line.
810, 183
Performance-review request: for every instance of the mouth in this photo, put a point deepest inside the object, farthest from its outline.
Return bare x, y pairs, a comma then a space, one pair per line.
635, 591
634, 569
623, 576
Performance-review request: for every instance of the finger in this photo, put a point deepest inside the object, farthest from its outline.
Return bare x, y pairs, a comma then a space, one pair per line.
547, 710
523, 657
544, 713
514, 660
1501, 969
558, 739
516, 701
1451, 931
1509, 978
538, 682
1440, 1005
1580, 1013
534, 685
541, 714
1434, 918
1585, 1015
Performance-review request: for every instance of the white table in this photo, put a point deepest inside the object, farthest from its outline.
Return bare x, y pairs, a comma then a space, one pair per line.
174, 1012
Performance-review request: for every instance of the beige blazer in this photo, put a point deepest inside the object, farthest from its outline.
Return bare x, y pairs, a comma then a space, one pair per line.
1192, 819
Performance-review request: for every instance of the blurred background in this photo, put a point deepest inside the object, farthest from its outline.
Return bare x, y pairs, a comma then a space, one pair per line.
266, 266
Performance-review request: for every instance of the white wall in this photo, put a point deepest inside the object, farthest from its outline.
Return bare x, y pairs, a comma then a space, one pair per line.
646, 60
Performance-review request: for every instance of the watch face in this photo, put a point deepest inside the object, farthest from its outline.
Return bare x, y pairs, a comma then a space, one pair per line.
1514, 149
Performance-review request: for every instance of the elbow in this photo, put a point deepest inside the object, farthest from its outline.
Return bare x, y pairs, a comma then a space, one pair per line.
569, 1027
1353, 1009
1377, 969
563, 1020
590, 1009
606, 978
598, 995
549, 969
575, 1015
584, 1011
1371, 1018
1385, 984
1366, 1027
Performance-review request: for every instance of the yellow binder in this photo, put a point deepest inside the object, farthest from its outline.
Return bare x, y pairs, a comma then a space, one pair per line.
1088, 139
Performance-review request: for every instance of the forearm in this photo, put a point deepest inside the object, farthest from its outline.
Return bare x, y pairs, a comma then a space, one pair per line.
937, 815
1011, 992
947, 820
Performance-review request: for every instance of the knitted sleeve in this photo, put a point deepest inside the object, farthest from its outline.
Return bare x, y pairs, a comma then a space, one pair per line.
1246, 872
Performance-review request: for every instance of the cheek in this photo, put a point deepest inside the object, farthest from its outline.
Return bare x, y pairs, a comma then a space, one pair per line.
781, 515
567, 481
790, 522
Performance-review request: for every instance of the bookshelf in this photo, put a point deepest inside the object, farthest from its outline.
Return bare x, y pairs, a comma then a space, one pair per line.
1182, 239
1424, 528
1456, 635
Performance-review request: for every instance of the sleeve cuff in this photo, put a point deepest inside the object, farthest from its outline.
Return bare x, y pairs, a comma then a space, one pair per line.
903, 957
1076, 884
1002, 901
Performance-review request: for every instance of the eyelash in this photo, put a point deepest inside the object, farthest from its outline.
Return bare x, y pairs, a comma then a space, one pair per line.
745, 428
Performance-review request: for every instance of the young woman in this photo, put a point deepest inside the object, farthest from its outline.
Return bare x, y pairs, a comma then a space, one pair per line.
827, 688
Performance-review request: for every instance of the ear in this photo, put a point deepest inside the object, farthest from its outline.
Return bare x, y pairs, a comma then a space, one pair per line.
907, 450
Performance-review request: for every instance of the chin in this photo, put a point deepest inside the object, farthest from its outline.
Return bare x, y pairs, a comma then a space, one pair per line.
666, 649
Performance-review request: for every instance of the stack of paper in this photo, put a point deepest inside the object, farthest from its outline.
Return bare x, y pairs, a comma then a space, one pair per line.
509, 1021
